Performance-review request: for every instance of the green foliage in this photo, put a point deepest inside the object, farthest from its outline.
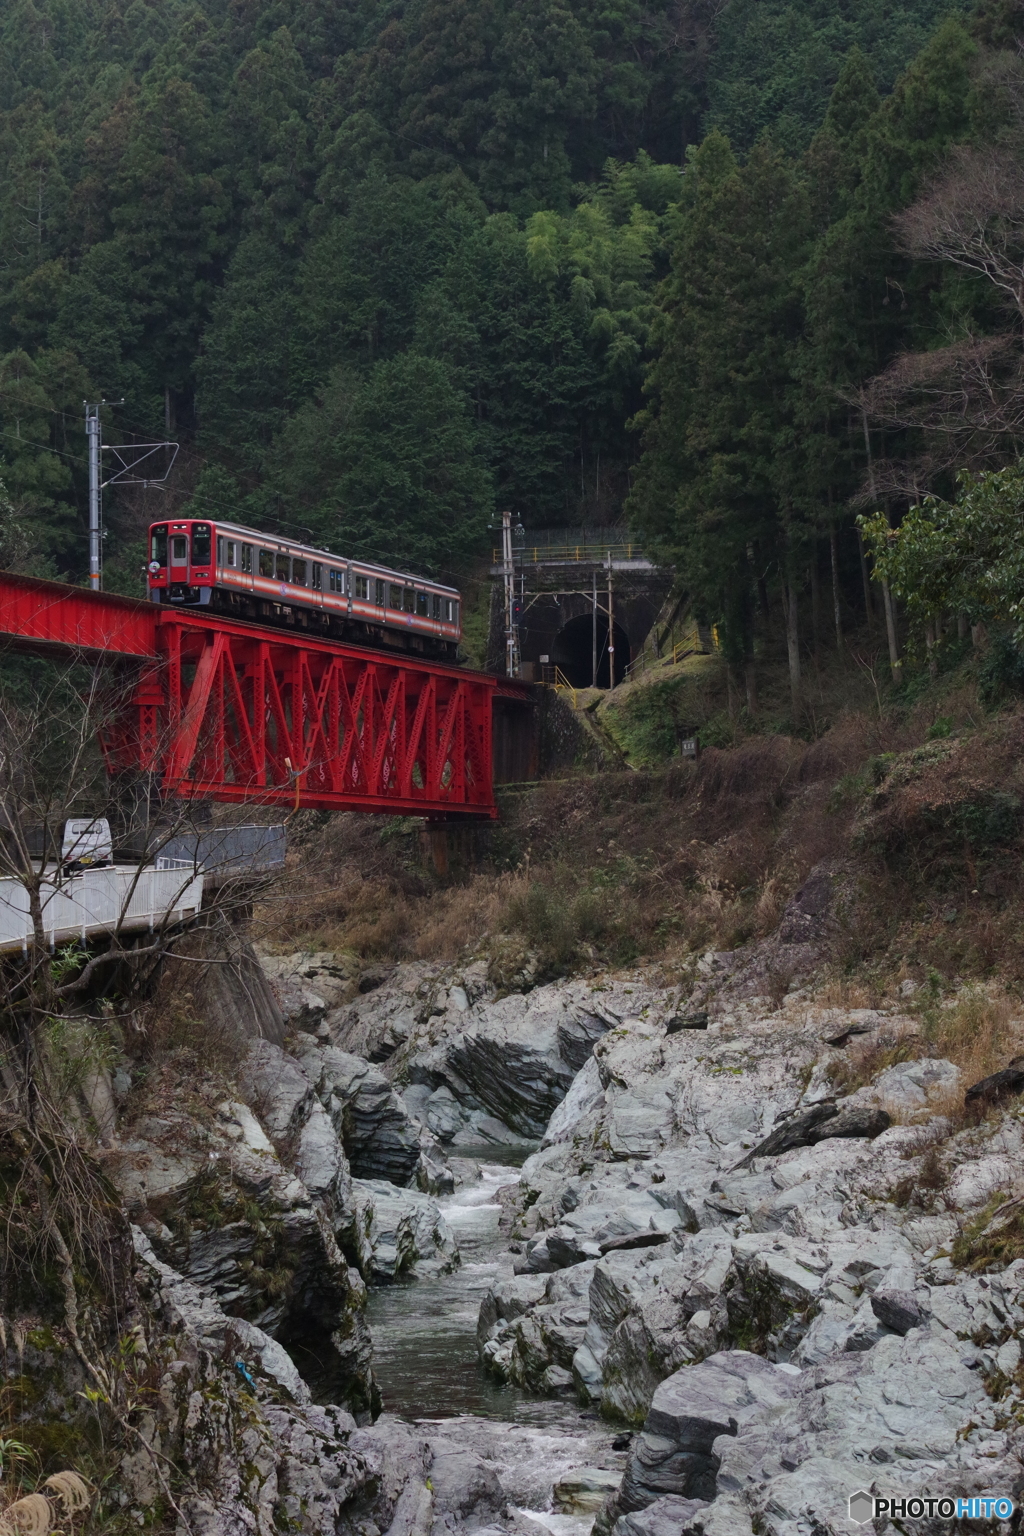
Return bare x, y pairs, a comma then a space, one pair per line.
724, 466
389, 468
1001, 671
269, 224
992, 1239
961, 557
991, 821
652, 720
776, 62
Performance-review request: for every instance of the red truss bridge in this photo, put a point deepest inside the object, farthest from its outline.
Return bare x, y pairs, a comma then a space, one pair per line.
223, 710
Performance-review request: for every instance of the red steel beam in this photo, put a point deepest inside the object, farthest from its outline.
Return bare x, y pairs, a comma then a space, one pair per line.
46, 616
240, 713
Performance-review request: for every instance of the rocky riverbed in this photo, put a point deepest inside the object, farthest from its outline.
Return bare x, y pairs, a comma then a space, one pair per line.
724, 1262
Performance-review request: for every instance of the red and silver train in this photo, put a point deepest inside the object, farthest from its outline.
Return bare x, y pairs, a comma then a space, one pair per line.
252, 575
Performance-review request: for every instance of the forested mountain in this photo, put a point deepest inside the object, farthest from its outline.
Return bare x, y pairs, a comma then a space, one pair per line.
382, 268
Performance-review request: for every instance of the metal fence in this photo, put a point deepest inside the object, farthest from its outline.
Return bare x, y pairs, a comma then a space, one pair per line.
591, 553
223, 851
97, 901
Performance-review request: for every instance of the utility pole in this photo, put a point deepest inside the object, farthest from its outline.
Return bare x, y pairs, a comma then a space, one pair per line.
92, 432
511, 646
128, 457
593, 637
611, 628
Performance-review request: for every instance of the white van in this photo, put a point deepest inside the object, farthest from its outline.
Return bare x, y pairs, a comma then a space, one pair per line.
86, 843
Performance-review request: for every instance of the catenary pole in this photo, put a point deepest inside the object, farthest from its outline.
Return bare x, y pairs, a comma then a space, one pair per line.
593, 636
611, 627
92, 432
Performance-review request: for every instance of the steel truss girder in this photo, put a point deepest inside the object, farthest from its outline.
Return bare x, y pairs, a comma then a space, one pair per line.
232, 713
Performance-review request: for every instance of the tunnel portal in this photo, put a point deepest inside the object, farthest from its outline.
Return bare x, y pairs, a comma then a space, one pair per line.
572, 651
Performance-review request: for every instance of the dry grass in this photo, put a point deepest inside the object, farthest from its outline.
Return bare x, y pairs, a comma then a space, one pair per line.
980, 1032
839, 991
621, 867
980, 1029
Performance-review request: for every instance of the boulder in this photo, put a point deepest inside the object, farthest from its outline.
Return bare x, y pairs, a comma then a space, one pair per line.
898, 1310
380, 1138
515, 1058
227, 1404
909, 1085
670, 1516
400, 1232
584, 1490
998, 1086
851, 1120
308, 985
689, 1411
222, 1208
794, 1131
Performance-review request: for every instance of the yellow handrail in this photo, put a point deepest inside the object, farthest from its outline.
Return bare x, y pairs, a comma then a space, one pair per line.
535, 554
563, 685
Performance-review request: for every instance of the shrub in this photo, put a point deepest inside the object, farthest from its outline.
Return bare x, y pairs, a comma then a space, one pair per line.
1001, 671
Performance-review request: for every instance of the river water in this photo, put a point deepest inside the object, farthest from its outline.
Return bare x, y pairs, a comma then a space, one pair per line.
425, 1359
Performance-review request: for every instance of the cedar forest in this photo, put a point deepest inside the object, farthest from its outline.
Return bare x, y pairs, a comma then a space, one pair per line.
731, 272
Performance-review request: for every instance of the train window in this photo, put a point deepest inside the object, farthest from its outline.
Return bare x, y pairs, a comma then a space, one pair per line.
179, 549
266, 562
299, 572
202, 544
410, 600
362, 588
422, 602
247, 559
394, 596
283, 570
220, 551
437, 606
337, 582
318, 576
378, 595
231, 552
158, 546
455, 613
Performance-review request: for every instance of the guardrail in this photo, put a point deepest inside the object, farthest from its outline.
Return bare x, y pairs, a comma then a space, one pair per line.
562, 684
570, 554
639, 665
118, 898
222, 852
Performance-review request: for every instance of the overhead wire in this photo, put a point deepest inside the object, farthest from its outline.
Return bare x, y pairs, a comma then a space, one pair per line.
201, 497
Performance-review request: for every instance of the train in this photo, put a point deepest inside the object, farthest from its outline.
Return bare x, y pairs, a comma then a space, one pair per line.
260, 576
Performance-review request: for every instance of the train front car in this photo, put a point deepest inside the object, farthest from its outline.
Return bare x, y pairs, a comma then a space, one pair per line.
181, 567
258, 576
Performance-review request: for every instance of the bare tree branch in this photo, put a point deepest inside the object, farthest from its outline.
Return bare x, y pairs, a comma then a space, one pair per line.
973, 215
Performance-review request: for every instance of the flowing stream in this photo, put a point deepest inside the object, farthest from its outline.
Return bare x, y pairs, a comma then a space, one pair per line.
425, 1359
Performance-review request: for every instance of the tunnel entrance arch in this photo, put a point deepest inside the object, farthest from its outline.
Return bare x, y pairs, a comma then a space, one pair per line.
572, 651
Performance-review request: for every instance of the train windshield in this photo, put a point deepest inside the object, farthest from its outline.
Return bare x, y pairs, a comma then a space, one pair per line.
201, 545
158, 545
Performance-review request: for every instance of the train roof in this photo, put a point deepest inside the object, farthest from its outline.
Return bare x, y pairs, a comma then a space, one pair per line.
326, 554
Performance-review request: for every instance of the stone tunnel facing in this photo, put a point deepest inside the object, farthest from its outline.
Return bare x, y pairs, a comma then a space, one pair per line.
573, 651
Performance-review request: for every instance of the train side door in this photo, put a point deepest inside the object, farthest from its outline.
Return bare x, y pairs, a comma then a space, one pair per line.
177, 554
